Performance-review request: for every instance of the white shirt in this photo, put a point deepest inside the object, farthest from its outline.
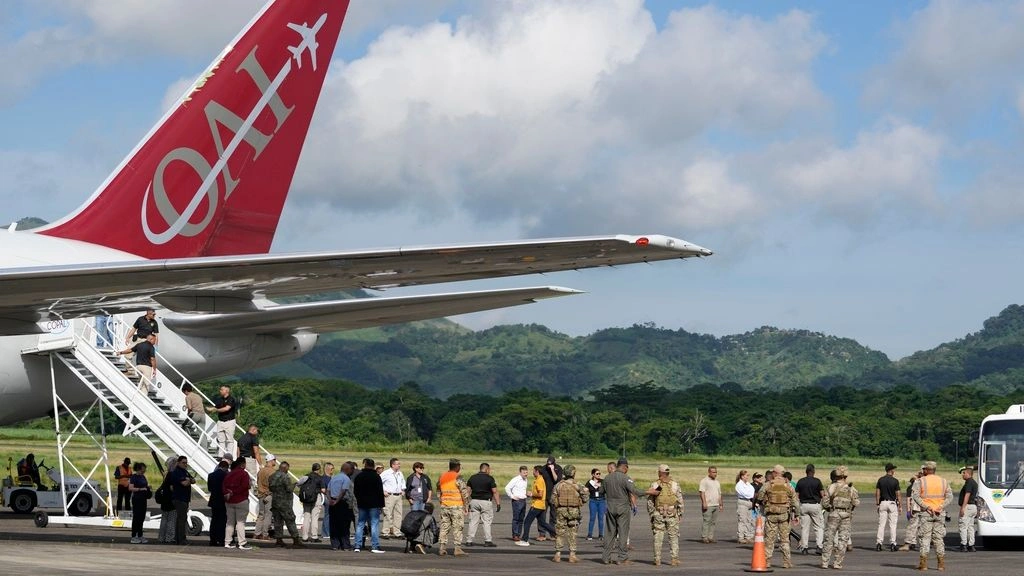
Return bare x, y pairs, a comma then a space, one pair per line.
394, 482
516, 488
744, 490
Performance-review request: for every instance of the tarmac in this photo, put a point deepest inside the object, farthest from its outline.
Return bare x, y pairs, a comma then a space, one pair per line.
59, 549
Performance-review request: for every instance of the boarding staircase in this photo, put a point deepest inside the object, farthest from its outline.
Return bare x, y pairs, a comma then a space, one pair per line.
158, 418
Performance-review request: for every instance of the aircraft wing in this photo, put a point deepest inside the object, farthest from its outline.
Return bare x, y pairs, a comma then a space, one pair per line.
229, 283
355, 313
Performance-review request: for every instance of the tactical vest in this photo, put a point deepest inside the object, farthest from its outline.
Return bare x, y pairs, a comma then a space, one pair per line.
449, 486
567, 496
667, 497
842, 497
778, 498
933, 491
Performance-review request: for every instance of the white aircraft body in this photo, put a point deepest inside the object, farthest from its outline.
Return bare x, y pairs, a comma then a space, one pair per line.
185, 222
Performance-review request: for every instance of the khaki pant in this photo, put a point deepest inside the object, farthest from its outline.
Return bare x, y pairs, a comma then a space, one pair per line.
235, 526
776, 528
968, 525
708, 519
910, 536
311, 520
744, 520
226, 437
888, 514
263, 517
811, 516
392, 514
480, 511
146, 375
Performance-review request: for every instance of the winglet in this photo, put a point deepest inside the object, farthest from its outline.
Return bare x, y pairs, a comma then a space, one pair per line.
212, 176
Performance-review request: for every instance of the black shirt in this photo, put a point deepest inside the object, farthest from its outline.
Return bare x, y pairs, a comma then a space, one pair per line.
970, 485
888, 488
369, 490
246, 444
144, 327
144, 353
140, 496
220, 402
550, 479
808, 489
481, 485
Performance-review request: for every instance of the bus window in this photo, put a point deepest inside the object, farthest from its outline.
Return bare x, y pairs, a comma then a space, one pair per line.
1002, 452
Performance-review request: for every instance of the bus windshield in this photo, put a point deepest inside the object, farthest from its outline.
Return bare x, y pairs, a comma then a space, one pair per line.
1002, 452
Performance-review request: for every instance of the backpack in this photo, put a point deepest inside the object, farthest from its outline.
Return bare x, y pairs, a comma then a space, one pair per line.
163, 497
413, 523
310, 489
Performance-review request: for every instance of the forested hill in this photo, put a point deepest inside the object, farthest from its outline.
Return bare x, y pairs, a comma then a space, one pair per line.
445, 360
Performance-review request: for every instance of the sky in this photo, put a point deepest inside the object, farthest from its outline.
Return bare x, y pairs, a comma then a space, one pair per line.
851, 164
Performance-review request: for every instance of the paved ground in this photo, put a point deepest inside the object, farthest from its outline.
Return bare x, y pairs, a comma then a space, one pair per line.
62, 550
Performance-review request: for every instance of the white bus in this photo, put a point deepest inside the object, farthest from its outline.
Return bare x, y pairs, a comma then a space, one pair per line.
1001, 467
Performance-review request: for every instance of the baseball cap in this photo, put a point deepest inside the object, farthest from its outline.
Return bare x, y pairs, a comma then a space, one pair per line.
841, 471
929, 465
890, 466
622, 462
779, 469
271, 457
962, 468
663, 468
551, 460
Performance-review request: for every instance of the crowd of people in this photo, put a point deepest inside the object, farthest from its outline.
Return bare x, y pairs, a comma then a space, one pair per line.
350, 504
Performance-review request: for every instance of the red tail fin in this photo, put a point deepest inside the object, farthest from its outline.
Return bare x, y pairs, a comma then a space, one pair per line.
212, 176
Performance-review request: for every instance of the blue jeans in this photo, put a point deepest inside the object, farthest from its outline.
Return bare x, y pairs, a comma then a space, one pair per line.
417, 505
325, 525
597, 511
518, 515
372, 516
542, 524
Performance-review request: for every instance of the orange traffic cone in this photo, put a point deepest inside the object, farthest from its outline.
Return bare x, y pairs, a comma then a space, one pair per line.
758, 562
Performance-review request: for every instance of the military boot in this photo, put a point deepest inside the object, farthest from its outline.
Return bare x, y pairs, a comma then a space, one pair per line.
922, 563
297, 543
572, 558
459, 551
280, 543
675, 561
657, 561
942, 563
904, 548
786, 563
442, 551
557, 557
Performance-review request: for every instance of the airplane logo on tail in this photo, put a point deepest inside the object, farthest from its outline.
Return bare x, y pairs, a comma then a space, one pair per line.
308, 40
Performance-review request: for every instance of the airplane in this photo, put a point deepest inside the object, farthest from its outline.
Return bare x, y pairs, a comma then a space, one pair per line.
308, 40
185, 223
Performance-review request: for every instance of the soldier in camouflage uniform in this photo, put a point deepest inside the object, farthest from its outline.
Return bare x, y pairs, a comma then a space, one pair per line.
282, 489
780, 507
454, 495
665, 510
840, 500
567, 498
932, 494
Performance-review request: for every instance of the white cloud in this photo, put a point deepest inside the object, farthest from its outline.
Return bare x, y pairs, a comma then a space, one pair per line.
44, 184
567, 117
892, 164
954, 53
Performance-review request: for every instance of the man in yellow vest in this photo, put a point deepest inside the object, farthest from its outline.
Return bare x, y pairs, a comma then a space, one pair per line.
665, 510
932, 494
454, 505
780, 508
567, 498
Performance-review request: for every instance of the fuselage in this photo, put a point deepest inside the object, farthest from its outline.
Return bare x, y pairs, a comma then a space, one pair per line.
25, 379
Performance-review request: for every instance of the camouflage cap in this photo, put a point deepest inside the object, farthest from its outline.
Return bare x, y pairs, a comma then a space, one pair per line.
662, 468
569, 471
929, 465
779, 469
841, 471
